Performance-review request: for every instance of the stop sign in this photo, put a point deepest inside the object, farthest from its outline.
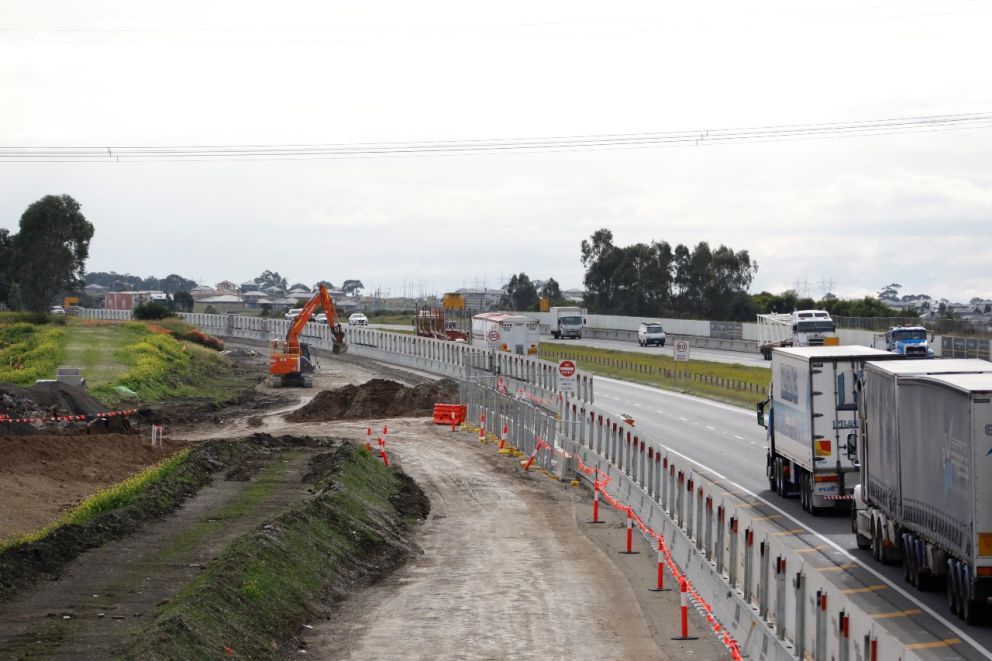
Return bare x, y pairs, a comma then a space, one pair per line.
566, 368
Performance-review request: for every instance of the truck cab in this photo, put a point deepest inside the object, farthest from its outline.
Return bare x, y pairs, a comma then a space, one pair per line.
908, 341
813, 328
567, 322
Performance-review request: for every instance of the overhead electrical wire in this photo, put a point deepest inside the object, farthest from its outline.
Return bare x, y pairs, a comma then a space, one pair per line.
605, 141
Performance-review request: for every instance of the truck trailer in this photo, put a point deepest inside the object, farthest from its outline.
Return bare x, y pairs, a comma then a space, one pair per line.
802, 328
567, 322
507, 332
925, 497
811, 414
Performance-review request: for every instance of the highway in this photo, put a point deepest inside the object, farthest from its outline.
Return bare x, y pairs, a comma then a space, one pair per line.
727, 441
714, 355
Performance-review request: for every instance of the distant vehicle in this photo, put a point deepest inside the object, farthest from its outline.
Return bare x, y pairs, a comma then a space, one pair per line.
431, 322
650, 333
802, 328
908, 341
291, 363
506, 331
57, 309
358, 319
294, 313
320, 318
567, 322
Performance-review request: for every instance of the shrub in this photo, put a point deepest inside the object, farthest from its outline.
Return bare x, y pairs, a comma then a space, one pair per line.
152, 310
29, 352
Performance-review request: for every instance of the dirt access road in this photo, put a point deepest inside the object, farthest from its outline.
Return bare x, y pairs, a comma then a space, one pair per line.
510, 568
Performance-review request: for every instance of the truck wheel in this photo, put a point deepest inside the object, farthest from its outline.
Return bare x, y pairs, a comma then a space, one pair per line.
863, 542
952, 591
772, 481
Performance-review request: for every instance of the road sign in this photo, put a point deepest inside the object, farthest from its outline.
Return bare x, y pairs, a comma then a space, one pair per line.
494, 335
681, 351
567, 377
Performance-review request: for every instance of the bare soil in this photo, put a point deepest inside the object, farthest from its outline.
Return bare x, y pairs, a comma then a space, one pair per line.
378, 398
41, 477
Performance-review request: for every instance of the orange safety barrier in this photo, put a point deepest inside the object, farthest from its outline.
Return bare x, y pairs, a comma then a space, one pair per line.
450, 414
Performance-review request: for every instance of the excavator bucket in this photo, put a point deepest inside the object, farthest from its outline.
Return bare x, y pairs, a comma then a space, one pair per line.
339, 348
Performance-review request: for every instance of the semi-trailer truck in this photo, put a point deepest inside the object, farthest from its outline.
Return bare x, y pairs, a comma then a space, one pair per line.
925, 498
802, 328
811, 414
908, 341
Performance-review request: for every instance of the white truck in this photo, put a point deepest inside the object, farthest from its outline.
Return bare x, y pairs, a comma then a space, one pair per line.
925, 497
908, 341
506, 331
802, 328
811, 415
567, 322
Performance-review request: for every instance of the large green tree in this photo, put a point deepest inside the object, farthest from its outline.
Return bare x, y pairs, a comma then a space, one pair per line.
271, 279
352, 287
6, 255
519, 294
50, 250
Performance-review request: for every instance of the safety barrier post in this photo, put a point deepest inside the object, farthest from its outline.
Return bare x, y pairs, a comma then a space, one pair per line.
699, 518
871, 648
502, 439
748, 563
671, 490
664, 484
680, 514
595, 502
482, 428
718, 550
732, 569
763, 580
158, 431
821, 626
630, 533
689, 493
660, 587
684, 611
843, 636
708, 543
780, 580
799, 583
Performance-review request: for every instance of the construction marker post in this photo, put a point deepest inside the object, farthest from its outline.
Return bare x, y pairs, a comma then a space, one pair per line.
595, 504
661, 569
537, 448
157, 432
630, 533
684, 611
502, 438
385, 459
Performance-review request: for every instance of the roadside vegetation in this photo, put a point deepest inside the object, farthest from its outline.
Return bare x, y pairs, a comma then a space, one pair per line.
29, 351
734, 384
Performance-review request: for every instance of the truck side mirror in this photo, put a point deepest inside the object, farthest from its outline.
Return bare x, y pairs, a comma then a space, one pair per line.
761, 413
584, 322
852, 446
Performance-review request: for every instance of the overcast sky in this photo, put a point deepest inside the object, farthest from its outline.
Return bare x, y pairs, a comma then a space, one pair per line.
862, 212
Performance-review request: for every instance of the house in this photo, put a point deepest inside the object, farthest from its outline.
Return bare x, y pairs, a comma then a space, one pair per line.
226, 287
128, 300
253, 299
221, 304
202, 291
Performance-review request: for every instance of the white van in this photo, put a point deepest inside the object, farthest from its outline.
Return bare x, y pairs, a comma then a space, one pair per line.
650, 332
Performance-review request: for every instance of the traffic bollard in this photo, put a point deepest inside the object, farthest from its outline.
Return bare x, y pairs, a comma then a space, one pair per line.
595, 504
630, 533
661, 569
684, 608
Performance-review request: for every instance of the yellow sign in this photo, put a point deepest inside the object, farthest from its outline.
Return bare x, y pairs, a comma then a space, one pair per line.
454, 302
545, 303
70, 300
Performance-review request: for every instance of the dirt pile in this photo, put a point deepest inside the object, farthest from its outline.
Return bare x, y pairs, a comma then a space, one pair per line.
378, 398
46, 400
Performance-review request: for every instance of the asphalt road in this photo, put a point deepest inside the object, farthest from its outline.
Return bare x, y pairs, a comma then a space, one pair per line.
727, 440
714, 355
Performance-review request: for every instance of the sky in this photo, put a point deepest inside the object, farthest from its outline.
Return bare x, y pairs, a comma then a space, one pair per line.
849, 214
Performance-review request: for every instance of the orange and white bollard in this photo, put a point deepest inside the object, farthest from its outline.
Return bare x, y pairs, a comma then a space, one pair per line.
684, 609
453, 418
385, 430
661, 568
537, 448
385, 459
630, 533
502, 439
595, 504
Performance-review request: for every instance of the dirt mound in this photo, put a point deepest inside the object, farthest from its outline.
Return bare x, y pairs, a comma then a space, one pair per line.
378, 398
47, 400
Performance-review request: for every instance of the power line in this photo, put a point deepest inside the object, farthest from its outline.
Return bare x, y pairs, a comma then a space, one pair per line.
607, 141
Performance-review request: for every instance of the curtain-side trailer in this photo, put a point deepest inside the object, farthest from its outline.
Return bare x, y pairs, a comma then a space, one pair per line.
926, 494
811, 415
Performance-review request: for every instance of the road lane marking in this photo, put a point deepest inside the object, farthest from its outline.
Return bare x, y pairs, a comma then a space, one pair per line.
770, 517
905, 613
844, 567
937, 643
794, 531
867, 588
811, 549
740, 438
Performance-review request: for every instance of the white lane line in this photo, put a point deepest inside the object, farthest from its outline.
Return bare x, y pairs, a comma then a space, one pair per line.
677, 395
740, 438
837, 547
686, 420
711, 428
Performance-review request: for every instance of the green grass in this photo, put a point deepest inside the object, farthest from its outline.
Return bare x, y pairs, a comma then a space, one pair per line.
397, 319
93, 348
113, 497
29, 352
735, 384
253, 597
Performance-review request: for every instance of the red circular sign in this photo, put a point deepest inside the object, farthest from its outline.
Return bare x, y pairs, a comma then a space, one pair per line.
566, 368
494, 335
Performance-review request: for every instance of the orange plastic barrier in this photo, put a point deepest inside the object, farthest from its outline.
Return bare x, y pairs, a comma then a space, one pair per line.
450, 414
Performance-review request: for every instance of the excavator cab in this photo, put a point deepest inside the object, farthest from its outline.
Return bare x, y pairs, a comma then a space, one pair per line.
291, 363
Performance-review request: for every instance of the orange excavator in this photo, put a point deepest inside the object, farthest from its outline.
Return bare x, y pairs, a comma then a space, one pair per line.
290, 364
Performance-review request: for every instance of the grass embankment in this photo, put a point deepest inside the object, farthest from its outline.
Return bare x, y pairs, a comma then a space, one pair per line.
30, 351
735, 384
252, 599
395, 319
114, 497
124, 508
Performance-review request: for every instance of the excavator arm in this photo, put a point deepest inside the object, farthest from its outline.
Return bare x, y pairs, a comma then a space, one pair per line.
323, 299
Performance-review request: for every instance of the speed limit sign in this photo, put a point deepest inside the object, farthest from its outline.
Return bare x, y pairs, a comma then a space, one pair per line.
681, 352
493, 335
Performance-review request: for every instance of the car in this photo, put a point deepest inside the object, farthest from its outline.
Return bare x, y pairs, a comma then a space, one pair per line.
57, 309
294, 313
320, 318
650, 332
358, 319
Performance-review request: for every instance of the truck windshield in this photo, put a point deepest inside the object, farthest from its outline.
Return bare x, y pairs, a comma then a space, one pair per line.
654, 329
816, 327
902, 336
570, 321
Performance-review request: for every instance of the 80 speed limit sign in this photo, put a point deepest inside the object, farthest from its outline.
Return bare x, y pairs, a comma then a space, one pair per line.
681, 350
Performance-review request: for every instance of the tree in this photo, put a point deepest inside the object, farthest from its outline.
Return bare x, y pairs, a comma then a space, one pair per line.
890, 292
551, 290
519, 294
270, 279
175, 283
151, 310
50, 250
183, 301
299, 285
326, 283
6, 255
352, 287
